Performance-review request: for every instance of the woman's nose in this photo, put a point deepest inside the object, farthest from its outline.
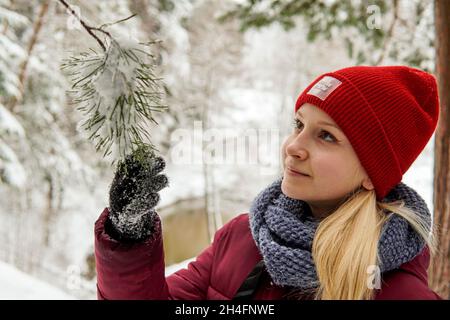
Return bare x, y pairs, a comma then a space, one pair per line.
297, 147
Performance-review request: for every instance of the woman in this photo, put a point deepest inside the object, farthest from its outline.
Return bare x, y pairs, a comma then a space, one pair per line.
338, 223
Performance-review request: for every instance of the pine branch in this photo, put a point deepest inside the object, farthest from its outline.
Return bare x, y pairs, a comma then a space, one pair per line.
119, 21
117, 92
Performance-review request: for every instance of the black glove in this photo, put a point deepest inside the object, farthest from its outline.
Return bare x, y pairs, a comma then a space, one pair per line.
133, 196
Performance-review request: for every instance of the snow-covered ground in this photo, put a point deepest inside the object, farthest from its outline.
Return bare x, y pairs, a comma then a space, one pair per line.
16, 285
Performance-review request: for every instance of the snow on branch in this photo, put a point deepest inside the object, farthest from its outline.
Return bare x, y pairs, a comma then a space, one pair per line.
118, 92
12, 17
11, 170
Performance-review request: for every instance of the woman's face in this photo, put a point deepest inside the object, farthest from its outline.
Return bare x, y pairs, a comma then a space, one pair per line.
317, 147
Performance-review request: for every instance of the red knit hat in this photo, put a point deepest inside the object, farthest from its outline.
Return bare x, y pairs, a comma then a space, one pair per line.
388, 113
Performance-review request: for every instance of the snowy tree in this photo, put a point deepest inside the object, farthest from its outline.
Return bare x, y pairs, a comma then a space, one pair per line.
11, 130
375, 32
43, 149
46, 225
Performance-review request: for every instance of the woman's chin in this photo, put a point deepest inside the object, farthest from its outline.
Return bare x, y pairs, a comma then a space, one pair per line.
290, 190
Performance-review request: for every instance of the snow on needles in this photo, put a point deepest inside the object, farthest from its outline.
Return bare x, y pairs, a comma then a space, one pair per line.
117, 91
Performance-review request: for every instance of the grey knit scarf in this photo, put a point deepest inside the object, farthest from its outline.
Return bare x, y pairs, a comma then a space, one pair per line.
283, 229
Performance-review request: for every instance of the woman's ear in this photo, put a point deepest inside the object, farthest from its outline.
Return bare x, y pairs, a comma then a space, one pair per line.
367, 184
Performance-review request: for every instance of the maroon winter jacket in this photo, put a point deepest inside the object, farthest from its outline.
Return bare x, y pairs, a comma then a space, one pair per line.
136, 271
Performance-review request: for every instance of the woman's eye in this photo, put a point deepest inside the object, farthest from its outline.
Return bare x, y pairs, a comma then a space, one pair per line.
298, 125
329, 135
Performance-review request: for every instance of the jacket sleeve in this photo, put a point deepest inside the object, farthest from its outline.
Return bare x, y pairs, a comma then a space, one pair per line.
129, 271
136, 271
404, 286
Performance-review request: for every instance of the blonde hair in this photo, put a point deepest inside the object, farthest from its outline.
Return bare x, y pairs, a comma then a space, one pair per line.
346, 244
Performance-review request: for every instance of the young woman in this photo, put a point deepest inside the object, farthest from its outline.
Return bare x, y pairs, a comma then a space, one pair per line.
337, 224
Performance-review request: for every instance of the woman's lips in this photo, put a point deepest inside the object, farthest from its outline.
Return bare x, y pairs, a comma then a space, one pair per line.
295, 173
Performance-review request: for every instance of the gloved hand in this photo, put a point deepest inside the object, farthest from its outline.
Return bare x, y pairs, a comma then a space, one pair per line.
134, 194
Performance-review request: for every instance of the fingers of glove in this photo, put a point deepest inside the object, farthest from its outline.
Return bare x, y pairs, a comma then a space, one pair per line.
136, 179
121, 192
133, 166
158, 164
153, 199
159, 182
148, 199
130, 173
141, 205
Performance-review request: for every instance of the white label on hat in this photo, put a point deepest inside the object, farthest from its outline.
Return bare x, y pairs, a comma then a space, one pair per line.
324, 87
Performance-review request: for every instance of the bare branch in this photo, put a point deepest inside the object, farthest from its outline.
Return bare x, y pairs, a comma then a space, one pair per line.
88, 28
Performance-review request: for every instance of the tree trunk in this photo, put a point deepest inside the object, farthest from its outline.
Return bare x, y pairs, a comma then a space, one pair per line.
49, 210
23, 67
206, 179
439, 275
208, 169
